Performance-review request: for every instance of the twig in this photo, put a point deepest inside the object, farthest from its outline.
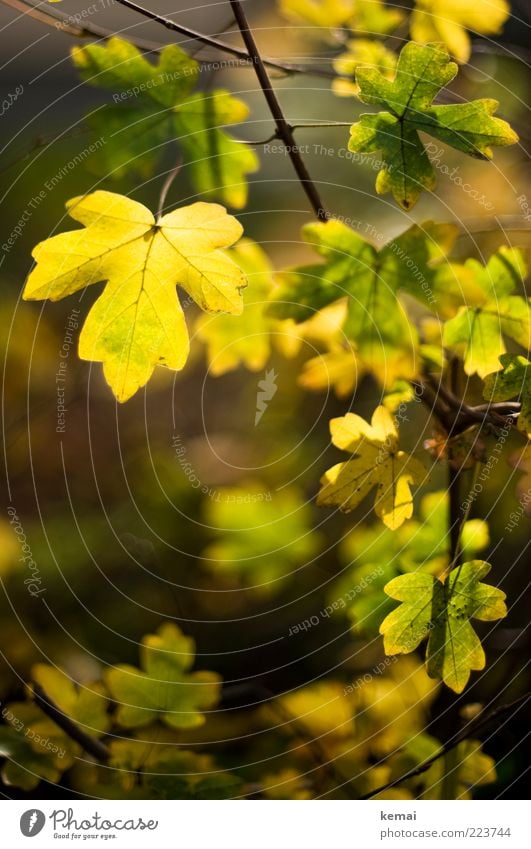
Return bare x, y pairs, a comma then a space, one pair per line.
212, 41
314, 126
469, 731
454, 415
54, 18
90, 744
284, 129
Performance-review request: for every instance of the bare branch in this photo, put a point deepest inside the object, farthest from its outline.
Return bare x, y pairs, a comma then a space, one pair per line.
284, 130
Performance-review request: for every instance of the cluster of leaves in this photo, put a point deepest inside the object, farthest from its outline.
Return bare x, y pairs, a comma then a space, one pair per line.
162, 697
445, 21
247, 520
156, 105
147, 725
370, 732
398, 311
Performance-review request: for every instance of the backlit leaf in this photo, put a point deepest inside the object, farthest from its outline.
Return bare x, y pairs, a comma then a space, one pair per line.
376, 462
442, 612
163, 688
155, 105
138, 322
492, 312
421, 72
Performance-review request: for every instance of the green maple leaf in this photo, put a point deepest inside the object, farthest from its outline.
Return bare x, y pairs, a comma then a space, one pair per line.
421, 72
378, 555
442, 612
138, 322
163, 688
376, 462
492, 312
376, 322
156, 105
513, 381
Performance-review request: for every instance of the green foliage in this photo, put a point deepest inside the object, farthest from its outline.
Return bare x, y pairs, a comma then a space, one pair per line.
156, 104
376, 555
163, 688
513, 381
262, 536
491, 312
442, 612
407, 100
376, 322
138, 322
376, 462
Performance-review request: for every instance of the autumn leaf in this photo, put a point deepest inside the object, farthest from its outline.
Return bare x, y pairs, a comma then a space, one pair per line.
513, 381
421, 72
155, 105
376, 462
442, 612
85, 704
365, 17
25, 766
163, 688
476, 332
138, 322
375, 323
448, 20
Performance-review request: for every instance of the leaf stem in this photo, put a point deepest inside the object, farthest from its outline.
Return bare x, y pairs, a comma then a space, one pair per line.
166, 186
284, 130
313, 126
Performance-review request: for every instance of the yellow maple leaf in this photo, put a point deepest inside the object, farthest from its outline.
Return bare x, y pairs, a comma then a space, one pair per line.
376, 462
138, 321
432, 20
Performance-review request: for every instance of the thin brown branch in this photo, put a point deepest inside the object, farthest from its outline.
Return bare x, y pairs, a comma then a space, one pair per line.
67, 24
224, 46
284, 130
468, 732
